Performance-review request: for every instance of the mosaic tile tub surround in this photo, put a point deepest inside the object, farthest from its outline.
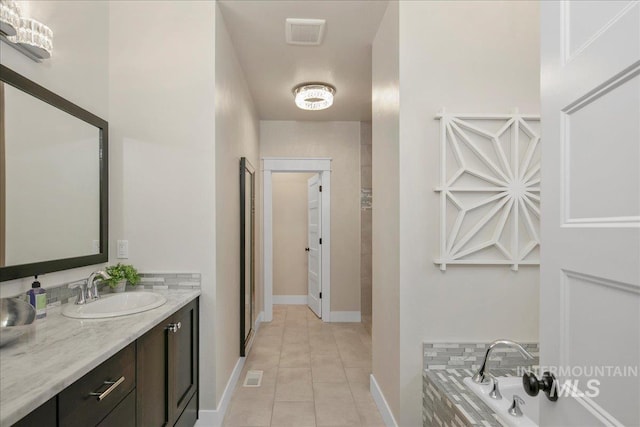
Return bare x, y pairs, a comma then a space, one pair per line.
470, 355
61, 294
446, 400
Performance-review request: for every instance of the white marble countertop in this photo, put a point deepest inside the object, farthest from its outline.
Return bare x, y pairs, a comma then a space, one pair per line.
58, 350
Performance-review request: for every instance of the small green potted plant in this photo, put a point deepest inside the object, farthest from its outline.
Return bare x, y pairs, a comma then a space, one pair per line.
120, 275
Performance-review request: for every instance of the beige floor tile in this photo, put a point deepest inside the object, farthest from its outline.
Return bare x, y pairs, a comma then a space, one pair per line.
296, 337
319, 327
294, 384
359, 382
260, 358
358, 375
271, 330
355, 358
336, 413
369, 414
327, 369
266, 389
295, 356
249, 413
315, 373
267, 342
332, 391
295, 327
293, 414
330, 350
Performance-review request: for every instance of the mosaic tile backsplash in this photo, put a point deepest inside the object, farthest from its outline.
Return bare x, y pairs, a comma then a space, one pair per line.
470, 355
62, 294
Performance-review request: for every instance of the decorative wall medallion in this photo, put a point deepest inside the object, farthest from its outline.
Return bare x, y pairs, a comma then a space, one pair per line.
490, 189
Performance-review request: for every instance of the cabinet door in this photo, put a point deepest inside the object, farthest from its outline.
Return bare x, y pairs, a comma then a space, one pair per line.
124, 415
152, 400
45, 416
183, 358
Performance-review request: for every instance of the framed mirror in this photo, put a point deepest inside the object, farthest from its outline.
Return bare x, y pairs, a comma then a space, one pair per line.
247, 253
53, 181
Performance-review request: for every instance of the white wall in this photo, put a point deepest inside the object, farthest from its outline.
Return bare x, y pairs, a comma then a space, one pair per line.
78, 71
290, 233
341, 142
237, 135
385, 213
162, 93
162, 65
468, 57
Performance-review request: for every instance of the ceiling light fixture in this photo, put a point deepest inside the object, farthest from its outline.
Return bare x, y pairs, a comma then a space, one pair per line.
314, 96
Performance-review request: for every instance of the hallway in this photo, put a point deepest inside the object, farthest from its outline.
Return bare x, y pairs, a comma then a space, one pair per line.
315, 374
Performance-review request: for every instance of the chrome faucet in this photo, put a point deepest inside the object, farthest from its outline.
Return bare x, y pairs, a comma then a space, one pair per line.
480, 376
89, 289
514, 410
495, 388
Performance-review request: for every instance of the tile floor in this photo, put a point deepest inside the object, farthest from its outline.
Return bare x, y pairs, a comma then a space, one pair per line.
315, 374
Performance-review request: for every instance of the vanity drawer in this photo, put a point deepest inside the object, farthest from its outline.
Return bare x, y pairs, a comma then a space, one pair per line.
87, 401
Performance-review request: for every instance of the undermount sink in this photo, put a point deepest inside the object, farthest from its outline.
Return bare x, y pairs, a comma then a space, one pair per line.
115, 305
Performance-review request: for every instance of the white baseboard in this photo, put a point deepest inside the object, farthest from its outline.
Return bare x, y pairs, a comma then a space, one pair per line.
381, 403
215, 417
346, 316
290, 299
259, 321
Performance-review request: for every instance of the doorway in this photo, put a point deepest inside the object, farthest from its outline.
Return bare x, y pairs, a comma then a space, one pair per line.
320, 293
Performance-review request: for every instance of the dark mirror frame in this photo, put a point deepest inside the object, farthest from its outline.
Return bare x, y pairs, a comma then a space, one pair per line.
14, 79
246, 168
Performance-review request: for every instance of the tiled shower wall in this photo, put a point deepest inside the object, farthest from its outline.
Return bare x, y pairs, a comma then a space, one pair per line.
365, 220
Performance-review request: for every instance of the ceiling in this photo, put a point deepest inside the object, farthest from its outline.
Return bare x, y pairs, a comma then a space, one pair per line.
272, 67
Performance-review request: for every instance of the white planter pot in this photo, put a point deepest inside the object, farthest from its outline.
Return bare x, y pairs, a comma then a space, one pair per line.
120, 287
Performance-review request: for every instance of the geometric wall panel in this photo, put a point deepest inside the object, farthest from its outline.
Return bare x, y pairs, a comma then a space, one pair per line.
489, 189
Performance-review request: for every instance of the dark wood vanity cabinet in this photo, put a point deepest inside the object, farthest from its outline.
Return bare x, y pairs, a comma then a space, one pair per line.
167, 366
152, 382
45, 416
90, 399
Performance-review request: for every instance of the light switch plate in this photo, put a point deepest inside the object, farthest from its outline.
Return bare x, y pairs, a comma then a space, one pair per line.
123, 249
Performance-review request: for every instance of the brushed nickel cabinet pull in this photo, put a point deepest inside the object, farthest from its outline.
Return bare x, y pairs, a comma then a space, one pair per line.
112, 386
173, 327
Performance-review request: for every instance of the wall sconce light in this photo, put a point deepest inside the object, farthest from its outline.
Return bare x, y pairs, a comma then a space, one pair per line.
32, 38
9, 17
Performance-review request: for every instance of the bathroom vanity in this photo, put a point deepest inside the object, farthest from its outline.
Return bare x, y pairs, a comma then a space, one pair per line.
136, 370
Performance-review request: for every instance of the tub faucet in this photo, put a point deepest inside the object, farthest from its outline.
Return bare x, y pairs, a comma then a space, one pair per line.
480, 376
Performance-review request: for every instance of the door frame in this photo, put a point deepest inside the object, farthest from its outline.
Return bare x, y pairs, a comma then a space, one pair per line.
322, 166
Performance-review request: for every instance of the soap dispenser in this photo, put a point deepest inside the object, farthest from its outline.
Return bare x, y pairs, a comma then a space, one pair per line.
38, 299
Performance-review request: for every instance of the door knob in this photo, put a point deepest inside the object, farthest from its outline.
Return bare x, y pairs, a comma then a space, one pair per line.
306, 249
532, 385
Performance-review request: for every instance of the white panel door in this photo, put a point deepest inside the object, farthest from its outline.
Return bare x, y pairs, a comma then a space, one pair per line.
314, 231
590, 226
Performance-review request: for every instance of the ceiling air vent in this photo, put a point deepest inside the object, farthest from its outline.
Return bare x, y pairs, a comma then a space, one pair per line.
307, 32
